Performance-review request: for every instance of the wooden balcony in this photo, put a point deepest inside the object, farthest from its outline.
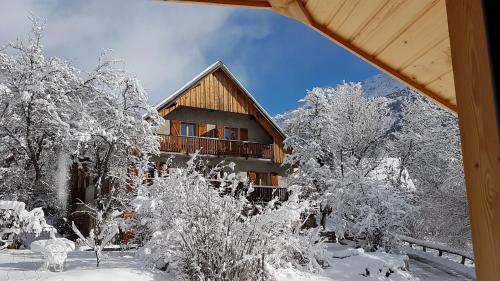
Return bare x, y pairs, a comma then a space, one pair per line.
213, 146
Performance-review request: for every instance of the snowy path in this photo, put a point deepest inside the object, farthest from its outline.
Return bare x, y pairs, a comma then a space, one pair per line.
426, 272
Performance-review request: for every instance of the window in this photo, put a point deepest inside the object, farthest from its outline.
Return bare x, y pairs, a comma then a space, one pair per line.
188, 129
230, 133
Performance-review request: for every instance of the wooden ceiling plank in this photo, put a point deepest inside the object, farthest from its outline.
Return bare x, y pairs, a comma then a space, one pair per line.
359, 18
432, 64
342, 15
423, 34
443, 86
396, 17
335, 12
323, 10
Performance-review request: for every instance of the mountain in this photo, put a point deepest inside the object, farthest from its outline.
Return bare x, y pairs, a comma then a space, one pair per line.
381, 85
377, 85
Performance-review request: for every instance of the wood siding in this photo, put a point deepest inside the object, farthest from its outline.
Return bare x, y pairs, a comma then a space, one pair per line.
217, 91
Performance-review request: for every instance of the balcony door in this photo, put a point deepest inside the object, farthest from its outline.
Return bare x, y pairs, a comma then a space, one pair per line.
230, 133
188, 132
188, 129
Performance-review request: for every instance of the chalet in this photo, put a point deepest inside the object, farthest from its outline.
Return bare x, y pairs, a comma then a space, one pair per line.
215, 115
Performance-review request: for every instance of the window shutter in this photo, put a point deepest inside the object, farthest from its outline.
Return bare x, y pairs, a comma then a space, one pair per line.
175, 127
202, 129
252, 176
274, 179
244, 134
220, 131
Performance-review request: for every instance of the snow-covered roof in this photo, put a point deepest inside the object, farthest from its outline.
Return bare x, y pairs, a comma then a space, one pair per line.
201, 75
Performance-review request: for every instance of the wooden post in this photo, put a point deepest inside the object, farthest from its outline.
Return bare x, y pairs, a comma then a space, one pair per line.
474, 86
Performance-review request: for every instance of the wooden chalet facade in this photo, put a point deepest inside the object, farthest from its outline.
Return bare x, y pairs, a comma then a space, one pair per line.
216, 116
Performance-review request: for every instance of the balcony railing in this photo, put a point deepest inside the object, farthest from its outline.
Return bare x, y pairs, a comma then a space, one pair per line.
212, 146
262, 194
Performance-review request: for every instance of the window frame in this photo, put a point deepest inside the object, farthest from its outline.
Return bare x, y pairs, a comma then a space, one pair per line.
185, 126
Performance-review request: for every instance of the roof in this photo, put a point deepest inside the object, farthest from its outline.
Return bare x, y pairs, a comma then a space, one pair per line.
407, 39
212, 68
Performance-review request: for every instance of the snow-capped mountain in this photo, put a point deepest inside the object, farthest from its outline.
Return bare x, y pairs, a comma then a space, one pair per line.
377, 85
381, 85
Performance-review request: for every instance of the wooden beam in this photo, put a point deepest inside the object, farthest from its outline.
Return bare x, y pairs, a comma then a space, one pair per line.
479, 130
293, 9
259, 4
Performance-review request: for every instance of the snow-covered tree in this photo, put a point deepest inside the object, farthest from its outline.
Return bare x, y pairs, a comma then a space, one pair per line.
338, 137
116, 143
204, 231
38, 120
51, 113
428, 143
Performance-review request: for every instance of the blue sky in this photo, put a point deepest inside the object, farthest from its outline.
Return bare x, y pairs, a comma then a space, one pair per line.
167, 44
291, 59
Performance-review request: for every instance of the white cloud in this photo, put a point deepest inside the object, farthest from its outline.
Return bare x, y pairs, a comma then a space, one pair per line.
164, 44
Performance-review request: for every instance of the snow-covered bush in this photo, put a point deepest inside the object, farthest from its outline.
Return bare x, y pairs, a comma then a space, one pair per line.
204, 232
54, 250
15, 219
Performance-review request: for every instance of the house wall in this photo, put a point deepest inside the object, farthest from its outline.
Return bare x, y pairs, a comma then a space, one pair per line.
234, 120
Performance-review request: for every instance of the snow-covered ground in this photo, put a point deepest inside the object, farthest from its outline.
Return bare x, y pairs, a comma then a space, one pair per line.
347, 264
353, 265
21, 265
